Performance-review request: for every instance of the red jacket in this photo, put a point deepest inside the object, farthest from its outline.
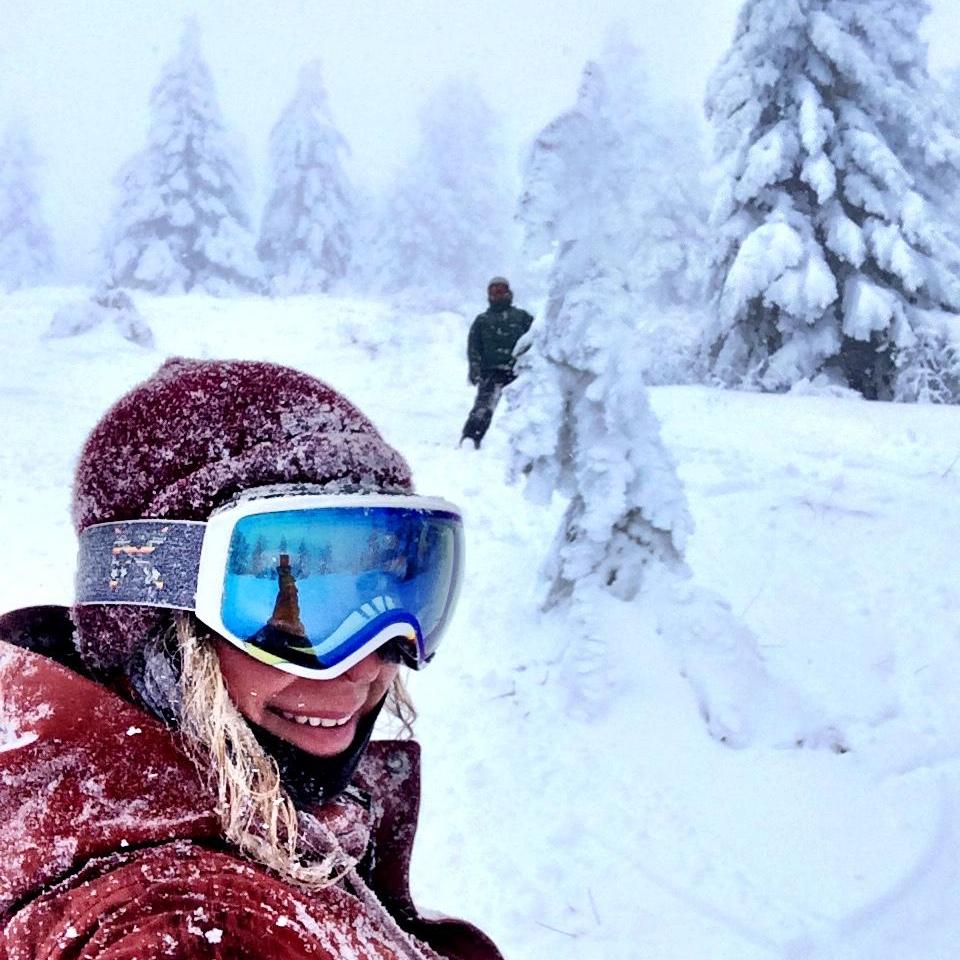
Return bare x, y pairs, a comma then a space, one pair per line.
110, 849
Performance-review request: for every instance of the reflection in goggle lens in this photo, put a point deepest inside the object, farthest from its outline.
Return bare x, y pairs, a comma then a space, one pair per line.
312, 587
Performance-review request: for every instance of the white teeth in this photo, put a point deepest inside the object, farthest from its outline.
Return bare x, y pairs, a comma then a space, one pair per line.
313, 721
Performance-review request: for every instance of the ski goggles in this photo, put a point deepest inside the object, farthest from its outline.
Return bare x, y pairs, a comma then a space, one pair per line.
308, 583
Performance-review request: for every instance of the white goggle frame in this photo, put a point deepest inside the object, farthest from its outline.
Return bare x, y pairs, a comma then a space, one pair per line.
216, 546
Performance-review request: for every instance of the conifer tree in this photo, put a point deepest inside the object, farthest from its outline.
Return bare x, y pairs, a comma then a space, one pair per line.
625, 170
833, 250
588, 408
581, 423
306, 233
928, 367
181, 222
446, 225
26, 250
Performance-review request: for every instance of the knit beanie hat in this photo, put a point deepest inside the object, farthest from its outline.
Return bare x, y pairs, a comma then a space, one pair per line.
501, 303
193, 435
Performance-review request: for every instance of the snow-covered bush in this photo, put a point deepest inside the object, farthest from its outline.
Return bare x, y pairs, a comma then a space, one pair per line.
306, 233
929, 367
839, 166
181, 222
26, 250
445, 227
582, 426
668, 348
81, 316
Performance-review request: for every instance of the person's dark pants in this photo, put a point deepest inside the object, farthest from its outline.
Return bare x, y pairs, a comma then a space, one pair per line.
489, 388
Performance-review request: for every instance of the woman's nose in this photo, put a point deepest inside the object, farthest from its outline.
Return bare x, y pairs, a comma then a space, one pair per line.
365, 670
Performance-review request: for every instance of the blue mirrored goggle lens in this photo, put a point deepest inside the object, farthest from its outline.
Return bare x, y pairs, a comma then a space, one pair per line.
311, 587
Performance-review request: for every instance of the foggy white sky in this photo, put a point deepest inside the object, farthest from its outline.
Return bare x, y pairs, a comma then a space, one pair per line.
81, 73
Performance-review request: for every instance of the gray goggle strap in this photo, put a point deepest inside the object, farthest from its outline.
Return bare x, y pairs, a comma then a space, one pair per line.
151, 563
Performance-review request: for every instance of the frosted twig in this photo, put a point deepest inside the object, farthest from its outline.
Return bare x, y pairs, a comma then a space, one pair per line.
565, 933
593, 906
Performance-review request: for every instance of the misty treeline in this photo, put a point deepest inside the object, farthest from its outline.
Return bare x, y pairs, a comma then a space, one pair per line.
818, 247
26, 245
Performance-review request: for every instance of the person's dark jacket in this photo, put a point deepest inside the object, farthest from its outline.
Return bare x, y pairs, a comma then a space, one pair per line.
493, 338
110, 847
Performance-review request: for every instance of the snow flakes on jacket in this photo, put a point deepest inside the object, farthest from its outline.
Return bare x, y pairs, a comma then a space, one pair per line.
110, 848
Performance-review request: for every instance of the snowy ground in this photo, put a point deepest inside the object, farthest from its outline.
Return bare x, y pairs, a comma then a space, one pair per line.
830, 526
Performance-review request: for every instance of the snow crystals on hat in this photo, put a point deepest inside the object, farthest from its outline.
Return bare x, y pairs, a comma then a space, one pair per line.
198, 432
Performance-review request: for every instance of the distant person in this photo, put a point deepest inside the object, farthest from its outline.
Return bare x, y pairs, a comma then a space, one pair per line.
490, 351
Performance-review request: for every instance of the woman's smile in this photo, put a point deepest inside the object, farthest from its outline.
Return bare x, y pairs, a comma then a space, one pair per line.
318, 716
313, 721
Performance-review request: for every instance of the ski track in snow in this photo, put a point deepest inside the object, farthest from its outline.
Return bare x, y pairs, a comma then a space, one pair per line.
625, 833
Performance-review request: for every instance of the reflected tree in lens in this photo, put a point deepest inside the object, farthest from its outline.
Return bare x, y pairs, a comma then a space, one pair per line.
286, 611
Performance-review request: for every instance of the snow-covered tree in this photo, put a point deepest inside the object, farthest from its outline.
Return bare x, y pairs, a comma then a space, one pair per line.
181, 222
591, 436
671, 210
445, 227
26, 250
591, 433
928, 367
581, 424
950, 89
838, 165
625, 170
306, 233
597, 192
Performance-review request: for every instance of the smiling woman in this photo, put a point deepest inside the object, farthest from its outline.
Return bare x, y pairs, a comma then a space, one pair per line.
192, 773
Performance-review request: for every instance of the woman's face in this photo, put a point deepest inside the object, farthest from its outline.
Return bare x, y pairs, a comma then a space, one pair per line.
318, 716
